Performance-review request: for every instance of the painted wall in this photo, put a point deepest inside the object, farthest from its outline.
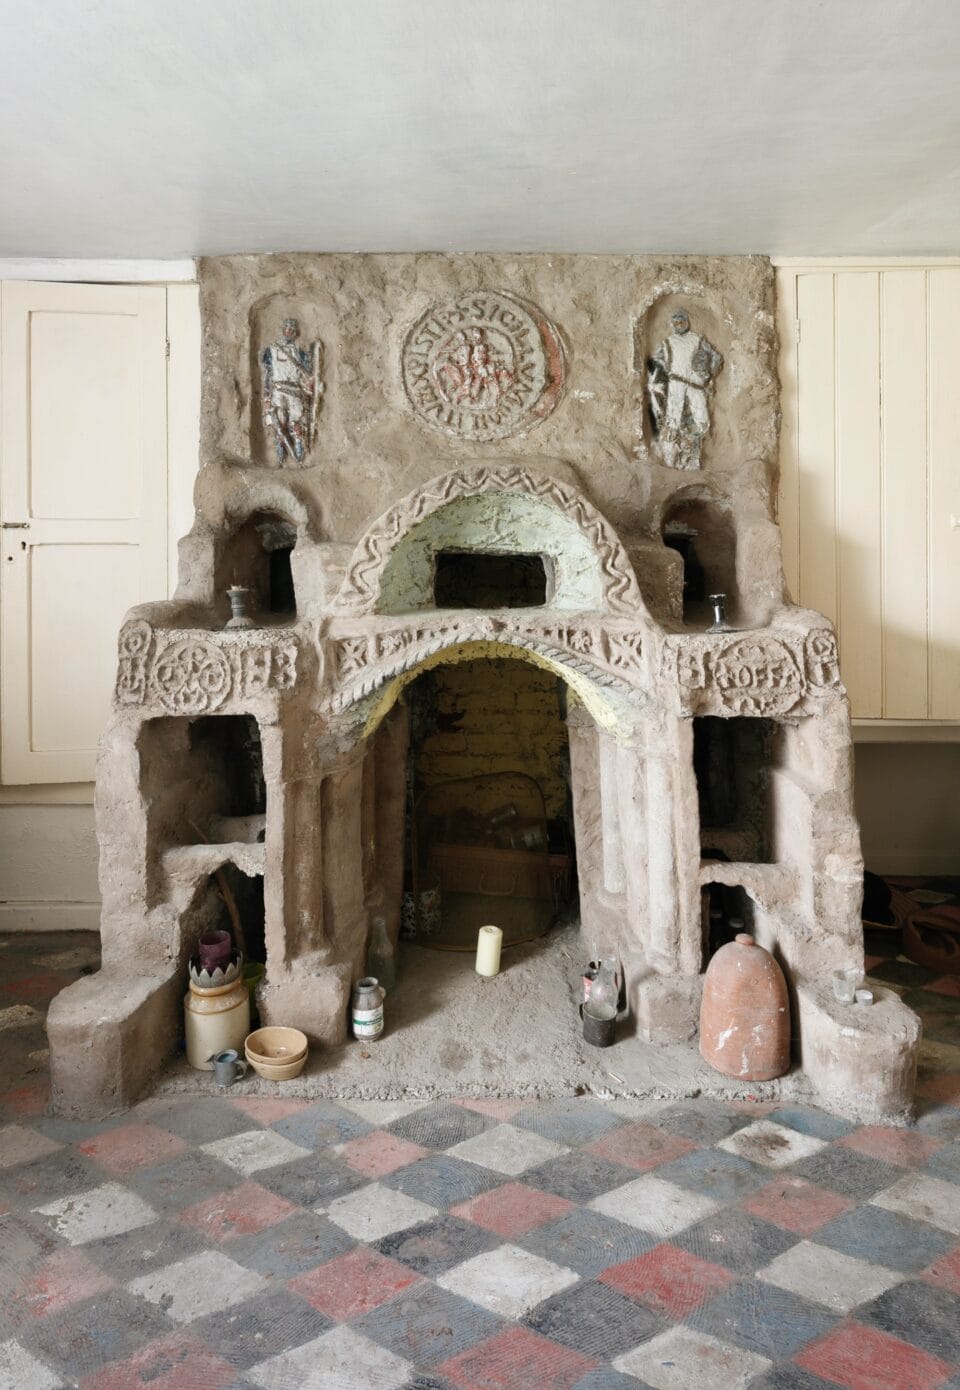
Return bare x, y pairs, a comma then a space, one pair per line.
49, 868
908, 806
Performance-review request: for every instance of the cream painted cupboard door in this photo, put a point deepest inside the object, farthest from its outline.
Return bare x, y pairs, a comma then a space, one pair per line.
83, 480
870, 474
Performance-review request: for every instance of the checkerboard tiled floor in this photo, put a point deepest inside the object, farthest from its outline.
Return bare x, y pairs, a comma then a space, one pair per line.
565, 1245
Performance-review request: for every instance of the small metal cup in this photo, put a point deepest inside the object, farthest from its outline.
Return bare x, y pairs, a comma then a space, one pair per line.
599, 1027
227, 1067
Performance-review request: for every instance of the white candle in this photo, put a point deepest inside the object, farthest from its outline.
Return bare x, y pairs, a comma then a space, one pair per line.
489, 941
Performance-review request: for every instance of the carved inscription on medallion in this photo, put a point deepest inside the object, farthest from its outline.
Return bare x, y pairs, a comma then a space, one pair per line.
192, 677
483, 366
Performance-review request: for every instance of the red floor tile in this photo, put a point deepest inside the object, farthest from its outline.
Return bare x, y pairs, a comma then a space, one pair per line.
65, 1278
37, 988
353, 1284
512, 1210
794, 1204
27, 1100
641, 1147
945, 1088
242, 1211
669, 1280
861, 1358
517, 1360
132, 1146
905, 1147
947, 984
266, 1110
176, 1362
379, 1153
945, 1272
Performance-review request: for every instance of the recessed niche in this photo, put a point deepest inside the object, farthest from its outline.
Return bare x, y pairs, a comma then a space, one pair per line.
467, 579
726, 910
258, 556
704, 534
731, 760
198, 774
228, 900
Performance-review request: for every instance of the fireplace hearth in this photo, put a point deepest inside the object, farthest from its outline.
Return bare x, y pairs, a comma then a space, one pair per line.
423, 463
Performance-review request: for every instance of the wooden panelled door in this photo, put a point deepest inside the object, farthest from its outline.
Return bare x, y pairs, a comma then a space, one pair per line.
83, 505
870, 475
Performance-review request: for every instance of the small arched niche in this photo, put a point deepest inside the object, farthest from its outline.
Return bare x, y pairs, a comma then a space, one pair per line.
257, 555
704, 533
499, 524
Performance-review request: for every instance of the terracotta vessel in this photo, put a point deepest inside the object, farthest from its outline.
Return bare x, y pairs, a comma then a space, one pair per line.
745, 1014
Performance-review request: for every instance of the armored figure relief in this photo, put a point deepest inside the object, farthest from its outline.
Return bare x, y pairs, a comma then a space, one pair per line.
291, 392
680, 377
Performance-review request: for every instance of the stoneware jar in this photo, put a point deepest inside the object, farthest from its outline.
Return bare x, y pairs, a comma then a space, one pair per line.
745, 1014
215, 1020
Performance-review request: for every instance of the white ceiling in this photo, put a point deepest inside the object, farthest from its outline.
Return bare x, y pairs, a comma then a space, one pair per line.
164, 128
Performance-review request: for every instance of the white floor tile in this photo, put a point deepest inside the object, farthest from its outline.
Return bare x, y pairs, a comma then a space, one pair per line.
682, 1359
21, 1145
21, 1371
508, 1281
202, 1284
837, 1281
507, 1149
770, 1144
108, 1210
653, 1205
924, 1199
375, 1211
339, 1359
254, 1150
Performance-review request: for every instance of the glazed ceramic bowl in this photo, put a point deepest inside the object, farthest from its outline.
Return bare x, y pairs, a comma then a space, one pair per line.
279, 1071
276, 1046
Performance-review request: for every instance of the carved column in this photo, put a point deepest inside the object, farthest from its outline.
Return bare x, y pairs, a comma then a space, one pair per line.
673, 852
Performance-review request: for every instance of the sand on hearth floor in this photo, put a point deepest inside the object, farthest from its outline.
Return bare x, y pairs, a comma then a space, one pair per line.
450, 1032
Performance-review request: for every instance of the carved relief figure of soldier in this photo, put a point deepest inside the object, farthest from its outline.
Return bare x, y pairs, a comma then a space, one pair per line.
680, 377
291, 392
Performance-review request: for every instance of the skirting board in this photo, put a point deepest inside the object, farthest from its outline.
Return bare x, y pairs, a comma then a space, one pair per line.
29, 916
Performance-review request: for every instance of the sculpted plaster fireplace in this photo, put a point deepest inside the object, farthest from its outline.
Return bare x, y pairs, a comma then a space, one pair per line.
365, 415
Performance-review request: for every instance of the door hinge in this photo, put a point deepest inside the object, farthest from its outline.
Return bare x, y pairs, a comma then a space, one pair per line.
798, 331
166, 348
15, 525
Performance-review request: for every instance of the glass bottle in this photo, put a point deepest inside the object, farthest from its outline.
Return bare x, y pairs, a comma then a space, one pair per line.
604, 991
381, 955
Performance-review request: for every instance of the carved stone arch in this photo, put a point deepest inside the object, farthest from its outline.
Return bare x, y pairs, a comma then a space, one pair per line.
360, 590
370, 670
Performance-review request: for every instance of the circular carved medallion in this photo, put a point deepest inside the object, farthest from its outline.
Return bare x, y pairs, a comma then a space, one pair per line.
192, 677
484, 366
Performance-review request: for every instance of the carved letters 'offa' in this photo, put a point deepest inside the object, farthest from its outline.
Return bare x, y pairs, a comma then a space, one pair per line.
483, 366
761, 676
193, 675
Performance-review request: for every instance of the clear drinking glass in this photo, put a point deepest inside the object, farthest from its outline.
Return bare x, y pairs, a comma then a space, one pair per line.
845, 984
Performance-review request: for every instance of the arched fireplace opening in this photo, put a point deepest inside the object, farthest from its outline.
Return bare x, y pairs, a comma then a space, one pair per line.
489, 818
